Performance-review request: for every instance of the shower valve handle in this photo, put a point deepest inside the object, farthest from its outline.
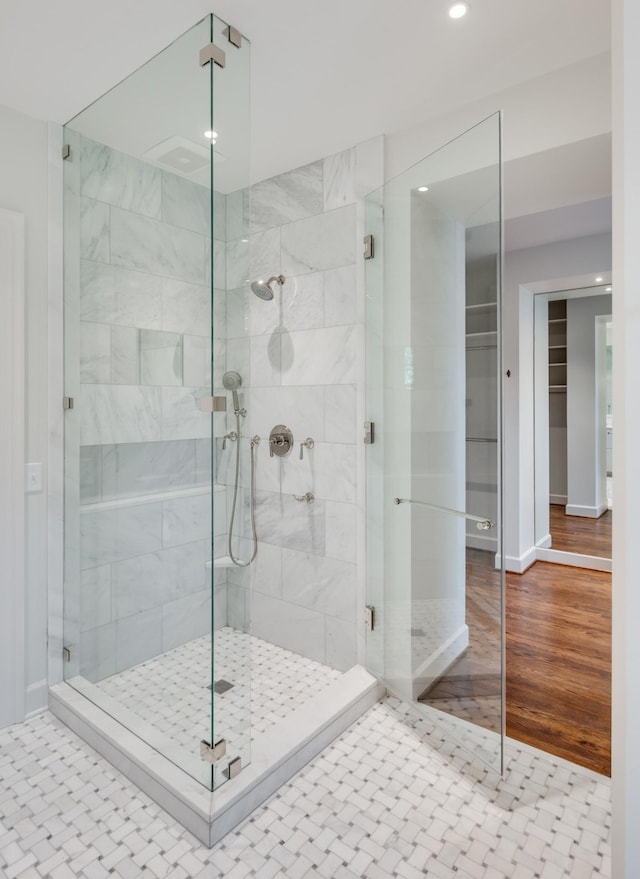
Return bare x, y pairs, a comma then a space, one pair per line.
233, 436
277, 442
308, 443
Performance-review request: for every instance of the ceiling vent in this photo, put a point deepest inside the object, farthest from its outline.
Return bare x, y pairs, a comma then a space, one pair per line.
182, 156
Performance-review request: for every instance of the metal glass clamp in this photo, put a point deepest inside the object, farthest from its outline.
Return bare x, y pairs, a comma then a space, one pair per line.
234, 768
211, 52
213, 753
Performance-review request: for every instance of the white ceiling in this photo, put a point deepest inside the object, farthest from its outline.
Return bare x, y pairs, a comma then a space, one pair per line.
324, 75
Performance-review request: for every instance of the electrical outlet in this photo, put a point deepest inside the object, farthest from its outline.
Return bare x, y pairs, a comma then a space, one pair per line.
32, 478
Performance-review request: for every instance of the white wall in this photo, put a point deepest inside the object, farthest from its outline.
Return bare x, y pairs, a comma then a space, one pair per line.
536, 116
12, 448
626, 342
23, 188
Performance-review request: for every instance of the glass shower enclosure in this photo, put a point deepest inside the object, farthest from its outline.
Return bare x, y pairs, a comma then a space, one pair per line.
435, 567
145, 272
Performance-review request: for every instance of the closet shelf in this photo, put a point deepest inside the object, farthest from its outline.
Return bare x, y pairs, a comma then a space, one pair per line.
478, 339
488, 306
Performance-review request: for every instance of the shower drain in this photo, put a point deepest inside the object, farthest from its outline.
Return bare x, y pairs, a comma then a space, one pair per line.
220, 687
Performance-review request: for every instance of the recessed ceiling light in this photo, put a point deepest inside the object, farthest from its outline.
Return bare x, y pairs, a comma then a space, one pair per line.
607, 289
458, 10
423, 189
599, 280
212, 135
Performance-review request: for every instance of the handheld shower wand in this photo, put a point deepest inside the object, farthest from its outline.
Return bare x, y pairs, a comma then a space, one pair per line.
232, 381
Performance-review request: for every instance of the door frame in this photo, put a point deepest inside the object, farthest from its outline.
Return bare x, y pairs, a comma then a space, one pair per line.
540, 550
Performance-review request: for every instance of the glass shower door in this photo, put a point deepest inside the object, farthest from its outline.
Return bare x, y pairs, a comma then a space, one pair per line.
145, 287
435, 569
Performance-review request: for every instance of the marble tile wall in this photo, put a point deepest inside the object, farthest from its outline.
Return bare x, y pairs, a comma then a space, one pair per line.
145, 355
301, 357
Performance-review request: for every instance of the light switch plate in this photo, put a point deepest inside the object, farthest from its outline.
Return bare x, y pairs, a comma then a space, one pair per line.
32, 478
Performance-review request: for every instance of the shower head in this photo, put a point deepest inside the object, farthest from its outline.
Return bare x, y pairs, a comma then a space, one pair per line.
263, 289
232, 381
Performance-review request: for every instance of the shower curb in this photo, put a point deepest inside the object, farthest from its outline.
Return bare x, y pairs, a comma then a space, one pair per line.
276, 754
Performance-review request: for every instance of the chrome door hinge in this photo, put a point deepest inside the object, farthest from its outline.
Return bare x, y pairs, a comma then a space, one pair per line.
66, 152
213, 753
67, 403
368, 247
369, 433
211, 52
370, 617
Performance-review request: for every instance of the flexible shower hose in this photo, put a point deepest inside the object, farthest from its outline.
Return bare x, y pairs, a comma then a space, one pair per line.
236, 561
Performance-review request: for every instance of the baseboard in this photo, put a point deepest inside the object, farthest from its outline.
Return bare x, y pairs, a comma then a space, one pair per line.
545, 543
36, 698
518, 564
480, 541
560, 499
573, 559
586, 512
435, 665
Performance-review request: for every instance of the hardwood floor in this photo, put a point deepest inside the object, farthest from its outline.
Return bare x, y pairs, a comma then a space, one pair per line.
558, 670
579, 534
558, 660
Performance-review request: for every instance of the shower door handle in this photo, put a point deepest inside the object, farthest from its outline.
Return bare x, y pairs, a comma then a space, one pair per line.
481, 523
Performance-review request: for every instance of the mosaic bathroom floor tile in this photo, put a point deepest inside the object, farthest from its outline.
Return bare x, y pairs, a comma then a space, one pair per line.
393, 796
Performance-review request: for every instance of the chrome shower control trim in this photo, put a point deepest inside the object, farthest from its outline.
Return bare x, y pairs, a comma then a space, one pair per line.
280, 441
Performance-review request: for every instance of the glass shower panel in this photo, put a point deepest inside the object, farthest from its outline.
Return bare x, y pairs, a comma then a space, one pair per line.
231, 680
434, 556
145, 518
